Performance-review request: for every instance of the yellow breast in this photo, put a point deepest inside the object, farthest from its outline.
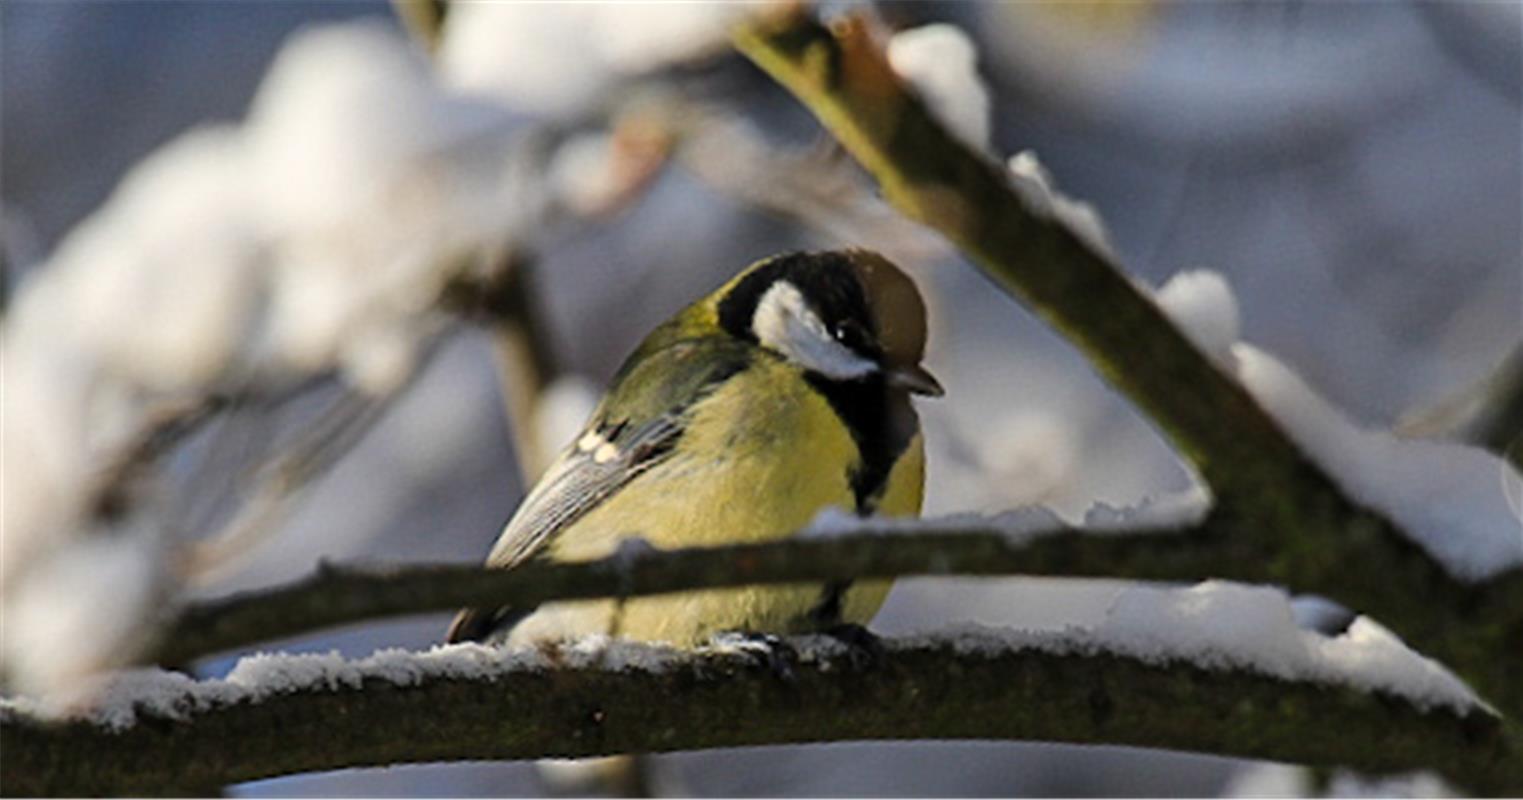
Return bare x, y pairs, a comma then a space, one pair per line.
761, 457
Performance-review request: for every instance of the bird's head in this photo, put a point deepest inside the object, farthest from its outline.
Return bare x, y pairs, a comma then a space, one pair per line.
845, 315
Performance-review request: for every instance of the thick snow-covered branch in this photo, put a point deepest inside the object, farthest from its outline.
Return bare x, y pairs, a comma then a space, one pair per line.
1281, 501
278, 715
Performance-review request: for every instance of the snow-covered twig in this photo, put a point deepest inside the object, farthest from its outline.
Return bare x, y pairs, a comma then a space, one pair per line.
281, 714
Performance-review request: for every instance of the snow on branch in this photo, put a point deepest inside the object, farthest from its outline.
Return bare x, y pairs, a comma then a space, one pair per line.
276, 715
1215, 624
1272, 454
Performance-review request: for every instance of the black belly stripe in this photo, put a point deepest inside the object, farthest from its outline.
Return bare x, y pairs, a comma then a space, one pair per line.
881, 421
827, 610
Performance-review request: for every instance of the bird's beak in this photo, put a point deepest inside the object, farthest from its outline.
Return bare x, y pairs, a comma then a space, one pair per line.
916, 379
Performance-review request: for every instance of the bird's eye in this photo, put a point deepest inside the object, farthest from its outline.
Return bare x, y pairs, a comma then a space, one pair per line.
852, 334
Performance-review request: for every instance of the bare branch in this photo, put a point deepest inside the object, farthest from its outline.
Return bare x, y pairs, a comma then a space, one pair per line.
340, 595
504, 302
516, 705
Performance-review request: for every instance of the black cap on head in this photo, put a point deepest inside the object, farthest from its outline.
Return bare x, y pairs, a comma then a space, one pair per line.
862, 300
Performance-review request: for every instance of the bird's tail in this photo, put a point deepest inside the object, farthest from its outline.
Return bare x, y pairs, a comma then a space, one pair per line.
476, 625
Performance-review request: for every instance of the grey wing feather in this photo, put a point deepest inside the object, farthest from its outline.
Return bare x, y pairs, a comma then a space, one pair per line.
650, 399
574, 485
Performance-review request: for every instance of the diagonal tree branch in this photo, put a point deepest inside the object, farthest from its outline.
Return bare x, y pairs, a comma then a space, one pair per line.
1287, 512
479, 703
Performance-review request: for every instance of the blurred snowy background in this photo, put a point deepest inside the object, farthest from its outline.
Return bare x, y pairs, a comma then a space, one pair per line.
1354, 169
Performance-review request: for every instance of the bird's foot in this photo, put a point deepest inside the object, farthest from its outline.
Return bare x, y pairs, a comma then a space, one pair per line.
864, 650
763, 649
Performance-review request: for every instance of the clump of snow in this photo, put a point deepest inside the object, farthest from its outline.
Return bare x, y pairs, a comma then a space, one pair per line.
61, 628
940, 62
1036, 187
1171, 510
580, 170
1449, 497
1422, 784
164, 327
1202, 304
1215, 624
142, 303
1455, 500
1321, 614
1218, 625
315, 237
1019, 524
559, 59
1034, 452
367, 177
1269, 780
1285, 780
1222, 625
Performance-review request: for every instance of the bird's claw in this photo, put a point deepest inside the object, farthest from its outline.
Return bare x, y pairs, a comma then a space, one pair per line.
864, 650
763, 649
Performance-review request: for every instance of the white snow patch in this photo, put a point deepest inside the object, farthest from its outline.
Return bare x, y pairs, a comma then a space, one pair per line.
124, 698
1171, 510
315, 236
1201, 303
1319, 613
81, 610
1416, 785
941, 63
1036, 187
1451, 498
1018, 524
1217, 625
1033, 453
1269, 780
368, 177
560, 59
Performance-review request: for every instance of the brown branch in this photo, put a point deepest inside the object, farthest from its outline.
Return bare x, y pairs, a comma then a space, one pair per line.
504, 302
534, 706
423, 18
340, 595
1285, 511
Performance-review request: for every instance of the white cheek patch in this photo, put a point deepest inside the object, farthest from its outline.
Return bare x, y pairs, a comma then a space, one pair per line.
784, 323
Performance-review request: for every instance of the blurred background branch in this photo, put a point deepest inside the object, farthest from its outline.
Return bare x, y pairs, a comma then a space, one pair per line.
1488, 412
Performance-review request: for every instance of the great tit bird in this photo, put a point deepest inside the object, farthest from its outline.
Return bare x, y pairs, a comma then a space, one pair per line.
784, 392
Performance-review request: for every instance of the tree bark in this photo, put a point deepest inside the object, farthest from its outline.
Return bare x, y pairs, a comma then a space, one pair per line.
645, 700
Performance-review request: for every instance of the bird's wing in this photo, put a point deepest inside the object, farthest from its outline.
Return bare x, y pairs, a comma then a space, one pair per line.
633, 430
